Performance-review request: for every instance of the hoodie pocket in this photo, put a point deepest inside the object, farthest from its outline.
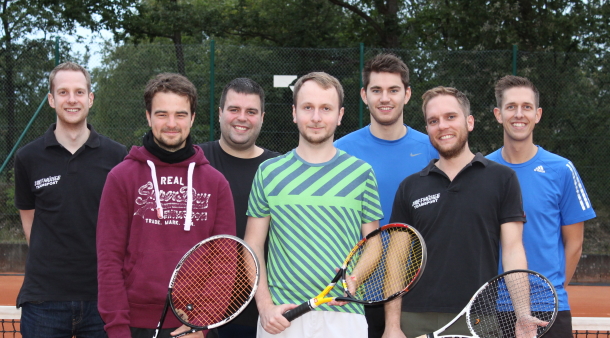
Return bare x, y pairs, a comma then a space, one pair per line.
149, 279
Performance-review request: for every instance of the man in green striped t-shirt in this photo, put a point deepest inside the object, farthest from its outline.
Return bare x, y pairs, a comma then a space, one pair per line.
315, 202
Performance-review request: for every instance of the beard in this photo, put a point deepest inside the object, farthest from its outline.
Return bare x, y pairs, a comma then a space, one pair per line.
452, 151
172, 145
319, 138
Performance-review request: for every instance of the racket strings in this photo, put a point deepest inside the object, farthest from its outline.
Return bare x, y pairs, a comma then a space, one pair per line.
214, 282
399, 258
516, 302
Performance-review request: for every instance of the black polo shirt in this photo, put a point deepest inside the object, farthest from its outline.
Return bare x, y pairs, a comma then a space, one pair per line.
64, 189
460, 222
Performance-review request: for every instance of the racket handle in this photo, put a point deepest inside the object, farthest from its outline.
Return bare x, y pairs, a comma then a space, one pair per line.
297, 311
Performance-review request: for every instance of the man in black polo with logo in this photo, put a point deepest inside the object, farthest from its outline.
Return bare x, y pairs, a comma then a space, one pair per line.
465, 206
59, 179
237, 157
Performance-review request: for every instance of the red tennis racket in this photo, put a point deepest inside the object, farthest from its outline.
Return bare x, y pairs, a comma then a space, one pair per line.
212, 283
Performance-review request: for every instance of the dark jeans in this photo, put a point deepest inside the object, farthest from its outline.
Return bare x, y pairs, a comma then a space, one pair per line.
61, 320
235, 330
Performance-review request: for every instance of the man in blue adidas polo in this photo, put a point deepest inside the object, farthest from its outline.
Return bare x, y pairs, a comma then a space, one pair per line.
554, 196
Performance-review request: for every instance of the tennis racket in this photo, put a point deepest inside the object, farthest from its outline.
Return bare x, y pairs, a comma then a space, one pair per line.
382, 266
212, 283
517, 303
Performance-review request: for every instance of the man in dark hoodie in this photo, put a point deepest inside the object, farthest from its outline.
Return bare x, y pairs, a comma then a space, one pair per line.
163, 199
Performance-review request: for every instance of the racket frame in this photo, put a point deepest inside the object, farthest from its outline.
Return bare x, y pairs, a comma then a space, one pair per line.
195, 328
466, 309
342, 275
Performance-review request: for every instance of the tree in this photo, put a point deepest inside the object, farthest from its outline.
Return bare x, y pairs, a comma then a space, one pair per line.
23, 60
535, 25
385, 18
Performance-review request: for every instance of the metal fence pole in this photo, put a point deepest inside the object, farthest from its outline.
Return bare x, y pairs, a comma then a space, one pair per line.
212, 108
515, 59
361, 114
10, 155
56, 51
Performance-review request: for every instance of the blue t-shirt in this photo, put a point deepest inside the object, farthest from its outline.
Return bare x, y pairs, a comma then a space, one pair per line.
553, 196
392, 161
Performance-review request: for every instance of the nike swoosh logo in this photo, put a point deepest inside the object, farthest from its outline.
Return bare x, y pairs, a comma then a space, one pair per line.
415, 154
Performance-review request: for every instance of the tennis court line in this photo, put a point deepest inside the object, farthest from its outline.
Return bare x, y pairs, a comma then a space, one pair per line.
9, 312
591, 323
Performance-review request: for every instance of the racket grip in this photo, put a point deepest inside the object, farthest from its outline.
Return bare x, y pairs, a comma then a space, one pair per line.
297, 311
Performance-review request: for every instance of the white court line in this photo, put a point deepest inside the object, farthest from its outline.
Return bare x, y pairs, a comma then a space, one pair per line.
9, 312
591, 323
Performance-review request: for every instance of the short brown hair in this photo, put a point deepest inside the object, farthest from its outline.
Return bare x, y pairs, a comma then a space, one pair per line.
170, 82
385, 63
440, 90
511, 81
324, 80
72, 67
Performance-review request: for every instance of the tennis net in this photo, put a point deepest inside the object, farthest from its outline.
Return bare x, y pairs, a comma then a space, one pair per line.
9, 322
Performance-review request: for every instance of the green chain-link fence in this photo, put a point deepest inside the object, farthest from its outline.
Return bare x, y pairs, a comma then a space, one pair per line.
575, 97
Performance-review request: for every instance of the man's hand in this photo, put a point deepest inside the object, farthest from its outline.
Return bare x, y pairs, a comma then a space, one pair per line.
351, 285
184, 328
527, 326
272, 319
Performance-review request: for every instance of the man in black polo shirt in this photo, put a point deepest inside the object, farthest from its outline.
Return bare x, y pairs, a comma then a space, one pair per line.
237, 157
59, 179
465, 206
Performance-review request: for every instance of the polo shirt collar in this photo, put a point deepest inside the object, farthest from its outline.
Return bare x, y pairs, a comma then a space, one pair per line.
478, 157
51, 141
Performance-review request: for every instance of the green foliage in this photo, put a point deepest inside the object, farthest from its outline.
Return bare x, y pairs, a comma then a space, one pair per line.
535, 25
10, 227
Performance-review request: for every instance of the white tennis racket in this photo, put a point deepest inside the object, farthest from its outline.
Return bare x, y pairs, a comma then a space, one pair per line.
517, 303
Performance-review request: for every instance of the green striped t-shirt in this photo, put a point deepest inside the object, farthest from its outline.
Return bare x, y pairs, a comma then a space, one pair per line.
317, 211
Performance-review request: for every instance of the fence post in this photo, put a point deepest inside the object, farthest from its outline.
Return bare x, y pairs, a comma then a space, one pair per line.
515, 59
56, 51
212, 108
361, 111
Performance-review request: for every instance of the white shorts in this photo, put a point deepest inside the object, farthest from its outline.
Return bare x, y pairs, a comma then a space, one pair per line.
322, 324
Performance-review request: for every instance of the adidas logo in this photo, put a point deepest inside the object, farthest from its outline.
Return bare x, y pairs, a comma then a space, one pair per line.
539, 169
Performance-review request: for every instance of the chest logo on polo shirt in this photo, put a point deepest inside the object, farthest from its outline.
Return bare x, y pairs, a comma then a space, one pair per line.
43, 182
173, 203
425, 200
540, 169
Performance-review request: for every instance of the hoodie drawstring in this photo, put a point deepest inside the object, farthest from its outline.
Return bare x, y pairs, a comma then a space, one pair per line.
189, 194
153, 173
189, 198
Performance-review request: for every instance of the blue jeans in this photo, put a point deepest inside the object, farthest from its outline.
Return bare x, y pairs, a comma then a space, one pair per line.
61, 320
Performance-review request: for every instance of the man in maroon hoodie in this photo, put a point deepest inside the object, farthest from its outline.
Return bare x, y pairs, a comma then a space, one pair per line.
159, 202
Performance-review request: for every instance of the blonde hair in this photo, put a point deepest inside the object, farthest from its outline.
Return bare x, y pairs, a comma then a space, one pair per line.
440, 90
69, 66
325, 81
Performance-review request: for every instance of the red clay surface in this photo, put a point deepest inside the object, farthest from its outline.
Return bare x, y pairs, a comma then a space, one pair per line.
589, 301
9, 288
585, 301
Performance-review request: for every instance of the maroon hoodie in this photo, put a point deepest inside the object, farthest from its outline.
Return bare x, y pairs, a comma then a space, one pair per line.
142, 232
